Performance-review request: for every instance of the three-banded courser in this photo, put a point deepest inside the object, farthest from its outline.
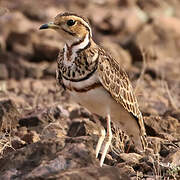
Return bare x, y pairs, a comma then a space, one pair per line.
96, 80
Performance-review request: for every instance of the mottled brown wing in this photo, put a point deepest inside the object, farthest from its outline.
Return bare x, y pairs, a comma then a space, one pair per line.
116, 82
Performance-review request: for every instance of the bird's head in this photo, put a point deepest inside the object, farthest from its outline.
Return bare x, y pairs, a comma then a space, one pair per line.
71, 26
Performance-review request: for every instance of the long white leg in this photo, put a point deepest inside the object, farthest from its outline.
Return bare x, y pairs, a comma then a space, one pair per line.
108, 141
100, 141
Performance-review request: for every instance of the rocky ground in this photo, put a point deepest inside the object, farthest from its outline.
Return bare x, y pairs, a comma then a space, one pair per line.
43, 135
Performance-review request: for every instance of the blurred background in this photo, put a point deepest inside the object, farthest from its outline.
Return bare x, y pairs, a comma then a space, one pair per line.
143, 35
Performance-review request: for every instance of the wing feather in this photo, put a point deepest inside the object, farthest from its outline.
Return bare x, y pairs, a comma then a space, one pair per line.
116, 82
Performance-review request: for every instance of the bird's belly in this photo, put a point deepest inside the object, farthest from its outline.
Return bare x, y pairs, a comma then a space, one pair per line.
95, 100
98, 101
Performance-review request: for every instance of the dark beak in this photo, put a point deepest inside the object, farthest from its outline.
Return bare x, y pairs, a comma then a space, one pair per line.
44, 26
50, 25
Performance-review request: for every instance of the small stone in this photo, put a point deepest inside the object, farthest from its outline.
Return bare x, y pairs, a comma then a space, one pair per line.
29, 121
9, 114
173, 159
3, 72
130, 158
126, 168
63, 112
77, 128
17, 143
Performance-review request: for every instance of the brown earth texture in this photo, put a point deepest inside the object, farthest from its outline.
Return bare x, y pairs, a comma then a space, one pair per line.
45, 136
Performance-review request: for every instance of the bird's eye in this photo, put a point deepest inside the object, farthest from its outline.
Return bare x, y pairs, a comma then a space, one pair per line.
70, 22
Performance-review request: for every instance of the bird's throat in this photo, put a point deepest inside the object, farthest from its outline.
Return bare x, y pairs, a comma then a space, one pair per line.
72, 48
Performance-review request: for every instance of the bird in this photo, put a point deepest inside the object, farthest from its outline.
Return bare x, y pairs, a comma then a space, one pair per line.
97, 81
